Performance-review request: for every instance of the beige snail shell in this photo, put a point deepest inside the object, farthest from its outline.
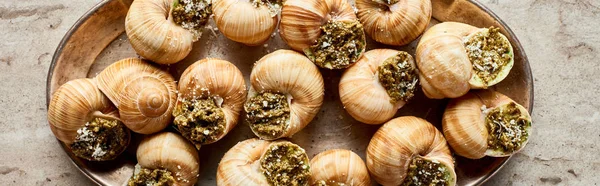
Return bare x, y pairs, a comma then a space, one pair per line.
144, 94
167, 150
361, 92
244, 164
248, 22
220, 80
339, 166
293, 75
398, 23
301, 22
76, 103
153, 33
446, 70
400, 142
467, 129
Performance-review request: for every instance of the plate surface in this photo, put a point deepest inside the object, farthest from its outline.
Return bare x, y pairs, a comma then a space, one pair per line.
98, 39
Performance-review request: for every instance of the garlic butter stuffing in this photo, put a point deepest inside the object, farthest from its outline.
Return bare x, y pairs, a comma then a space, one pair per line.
489, 52
268, 114
398, 75
100, 139
207, 107
286, 164
156, 177
192, 14
328, 32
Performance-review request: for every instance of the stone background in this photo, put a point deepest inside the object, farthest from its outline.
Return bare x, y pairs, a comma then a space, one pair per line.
561, 38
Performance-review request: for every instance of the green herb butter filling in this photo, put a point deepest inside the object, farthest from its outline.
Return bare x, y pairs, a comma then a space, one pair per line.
422, 171
268, 114
507, 128
329, 183
340, 45
285, 164
274, 6
156, 177
399, 77
199, 120
488, 52
192, 14
100, 139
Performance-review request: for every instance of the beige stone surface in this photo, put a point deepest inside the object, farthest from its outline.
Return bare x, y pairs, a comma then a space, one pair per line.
561, 38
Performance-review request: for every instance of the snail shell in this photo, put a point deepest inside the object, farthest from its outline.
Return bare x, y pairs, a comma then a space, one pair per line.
295, 76
248, 22
153, 33
466, 129
76, 103
167, 150
339, 166
400, 141
220, 80
243, 164
361, 92
398, 23
144, 94
445, 68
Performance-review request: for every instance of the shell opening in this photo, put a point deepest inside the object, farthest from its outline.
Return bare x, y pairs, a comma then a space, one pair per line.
201, 121
285, 164
100, 139
329, 183
192, 15
151, 177
340, 45
274, 6
489, 52
423, 171
507, 127
268, 114
399, 77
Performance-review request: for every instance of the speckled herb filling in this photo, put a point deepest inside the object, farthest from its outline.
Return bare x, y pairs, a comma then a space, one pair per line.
339, 46
199, 120
268, 114
427, 172
191, 14
156, 177
329, 183
507, 128
274, 6
100, 139
488, 52
286, 164
399, 77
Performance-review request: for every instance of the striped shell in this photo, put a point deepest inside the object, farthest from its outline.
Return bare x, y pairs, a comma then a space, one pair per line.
242, 22
339, 166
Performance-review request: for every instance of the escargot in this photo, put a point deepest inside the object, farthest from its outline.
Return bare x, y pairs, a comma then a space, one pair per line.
144, 94
484, 123
327, 31
455, 57
86, 121
380, 83
256, 162
165, 159
285, 95
211, 95
250, 22
410, 151
394, 22
163, 31
338, 167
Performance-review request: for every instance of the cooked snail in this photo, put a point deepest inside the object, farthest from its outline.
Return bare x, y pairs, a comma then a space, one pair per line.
380, 83
259, 162
250, 21
486, 123
144, 94
455, 57
84, 119
327, 31
211, 95
394, 22
339, 167
165, 159
163, 31
285, 95
410, 151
